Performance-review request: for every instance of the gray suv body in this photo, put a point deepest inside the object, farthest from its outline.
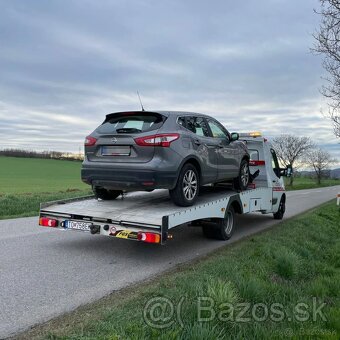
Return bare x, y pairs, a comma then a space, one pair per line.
143, 150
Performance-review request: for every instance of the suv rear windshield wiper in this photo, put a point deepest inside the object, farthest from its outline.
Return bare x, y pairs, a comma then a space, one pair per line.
127, 130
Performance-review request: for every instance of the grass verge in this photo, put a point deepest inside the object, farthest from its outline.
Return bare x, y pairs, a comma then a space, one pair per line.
284, 282
301, 183
23, 205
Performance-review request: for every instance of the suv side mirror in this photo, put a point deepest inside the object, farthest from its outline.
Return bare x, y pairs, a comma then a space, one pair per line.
234, 136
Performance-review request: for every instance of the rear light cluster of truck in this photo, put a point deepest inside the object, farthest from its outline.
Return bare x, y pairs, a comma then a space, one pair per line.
48, 222
162, 139
149, 237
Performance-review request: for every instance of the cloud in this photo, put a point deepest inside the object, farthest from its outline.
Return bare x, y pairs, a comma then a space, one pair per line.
66, 64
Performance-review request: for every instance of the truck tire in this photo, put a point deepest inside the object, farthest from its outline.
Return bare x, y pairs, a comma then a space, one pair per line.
241, 182
106, 195
281, 211
225, 227
187, 187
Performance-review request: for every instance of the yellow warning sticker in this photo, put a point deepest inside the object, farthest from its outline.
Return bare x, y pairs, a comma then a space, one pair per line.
123, 234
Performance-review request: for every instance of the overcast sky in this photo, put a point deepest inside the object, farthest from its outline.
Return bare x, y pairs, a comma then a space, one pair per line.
65, 64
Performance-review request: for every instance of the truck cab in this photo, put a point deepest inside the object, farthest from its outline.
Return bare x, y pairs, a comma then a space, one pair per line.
263, 159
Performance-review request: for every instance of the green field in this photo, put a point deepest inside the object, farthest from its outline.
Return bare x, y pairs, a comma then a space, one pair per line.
301, 183
26, 182
282, 283
33, 175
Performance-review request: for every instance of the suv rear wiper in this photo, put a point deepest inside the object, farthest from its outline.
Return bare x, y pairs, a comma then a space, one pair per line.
127, 130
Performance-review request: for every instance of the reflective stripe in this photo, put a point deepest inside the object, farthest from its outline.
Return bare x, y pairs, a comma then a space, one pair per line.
278, 189
257, 163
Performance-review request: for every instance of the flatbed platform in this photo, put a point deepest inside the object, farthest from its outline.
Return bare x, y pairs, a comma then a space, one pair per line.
153, 210
142, 208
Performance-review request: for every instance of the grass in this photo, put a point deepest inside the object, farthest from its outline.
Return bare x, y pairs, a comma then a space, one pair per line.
301, 183
26, 182
23, 205
284, 271
33, 175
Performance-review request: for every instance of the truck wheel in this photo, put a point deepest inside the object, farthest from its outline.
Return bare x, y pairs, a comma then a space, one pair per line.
225, 227
281, 211
106, 194
241, 182
186, 190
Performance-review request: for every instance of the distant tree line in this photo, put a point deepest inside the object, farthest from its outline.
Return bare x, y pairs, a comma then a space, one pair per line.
40, 154
311, 174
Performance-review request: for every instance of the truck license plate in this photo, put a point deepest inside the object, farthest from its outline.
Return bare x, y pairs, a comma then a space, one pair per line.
84, 226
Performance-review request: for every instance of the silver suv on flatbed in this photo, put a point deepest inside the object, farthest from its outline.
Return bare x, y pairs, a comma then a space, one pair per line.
178, 151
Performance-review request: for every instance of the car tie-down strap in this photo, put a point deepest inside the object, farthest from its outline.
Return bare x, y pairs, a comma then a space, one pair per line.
253, 176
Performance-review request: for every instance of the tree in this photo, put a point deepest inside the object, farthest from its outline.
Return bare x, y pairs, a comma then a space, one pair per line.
328, 45
291, 149
320, 160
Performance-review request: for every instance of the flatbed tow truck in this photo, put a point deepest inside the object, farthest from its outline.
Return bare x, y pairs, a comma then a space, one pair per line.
150, 216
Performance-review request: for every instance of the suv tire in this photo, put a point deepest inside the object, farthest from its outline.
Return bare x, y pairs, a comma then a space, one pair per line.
187, 187
241, 182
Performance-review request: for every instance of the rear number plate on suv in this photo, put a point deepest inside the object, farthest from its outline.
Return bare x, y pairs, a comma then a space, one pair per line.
85, 226
116, 151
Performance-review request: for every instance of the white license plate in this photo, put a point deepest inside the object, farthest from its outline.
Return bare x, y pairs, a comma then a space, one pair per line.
116, 150
85, 226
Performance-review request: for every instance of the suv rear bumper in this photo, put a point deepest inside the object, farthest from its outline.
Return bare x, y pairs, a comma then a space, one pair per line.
127, 179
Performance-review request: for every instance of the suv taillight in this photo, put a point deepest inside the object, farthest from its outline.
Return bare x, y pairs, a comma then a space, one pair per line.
163, 139
90, 141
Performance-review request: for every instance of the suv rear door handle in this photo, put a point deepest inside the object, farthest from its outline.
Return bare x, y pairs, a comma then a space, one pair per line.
197, 142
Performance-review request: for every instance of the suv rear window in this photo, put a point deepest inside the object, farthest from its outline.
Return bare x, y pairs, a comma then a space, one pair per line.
131, 122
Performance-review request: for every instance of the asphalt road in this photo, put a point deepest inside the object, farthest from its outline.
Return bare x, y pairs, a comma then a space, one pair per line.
46, 272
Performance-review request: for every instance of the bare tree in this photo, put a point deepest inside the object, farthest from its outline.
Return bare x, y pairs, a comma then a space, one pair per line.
320, 160
291, 149
328, 45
